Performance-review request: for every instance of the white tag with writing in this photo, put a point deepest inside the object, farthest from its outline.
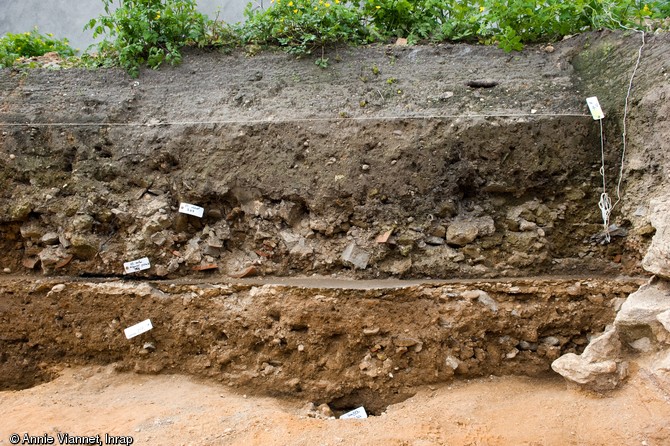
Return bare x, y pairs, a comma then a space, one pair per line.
191, 209
138, 329
594, 106
137, 265
359, 414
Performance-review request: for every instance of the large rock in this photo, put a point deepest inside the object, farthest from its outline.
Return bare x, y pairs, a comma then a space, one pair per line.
84, 247
49, 257
657, 259
460, 233
599, 367
31, 230
664, 319
638, 317
604, 347
599, 376
290, 238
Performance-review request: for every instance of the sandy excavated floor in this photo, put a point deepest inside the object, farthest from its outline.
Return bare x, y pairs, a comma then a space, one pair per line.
179, 410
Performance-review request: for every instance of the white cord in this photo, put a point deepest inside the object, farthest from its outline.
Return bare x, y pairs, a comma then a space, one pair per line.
625, 114
625, 108
605, 203
289, 120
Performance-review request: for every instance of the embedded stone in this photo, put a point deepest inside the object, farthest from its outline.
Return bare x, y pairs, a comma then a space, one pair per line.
50, 238
657, 260
84, 248
355, 256
405, 341
461, 233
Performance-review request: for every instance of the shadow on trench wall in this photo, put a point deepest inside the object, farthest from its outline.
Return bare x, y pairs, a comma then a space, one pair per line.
66, 18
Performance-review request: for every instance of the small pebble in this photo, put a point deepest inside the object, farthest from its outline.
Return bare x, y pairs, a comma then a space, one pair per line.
12, 156
6, 270
365, 167
58, 288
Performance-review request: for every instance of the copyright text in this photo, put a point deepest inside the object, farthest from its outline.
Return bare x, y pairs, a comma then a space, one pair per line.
64, 438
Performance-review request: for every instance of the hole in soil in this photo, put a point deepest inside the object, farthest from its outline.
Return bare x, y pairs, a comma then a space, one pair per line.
374, 403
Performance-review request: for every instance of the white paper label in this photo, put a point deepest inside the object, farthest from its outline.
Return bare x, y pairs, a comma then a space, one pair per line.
138, 329
191, 209
594, 106
359, 414
137, 265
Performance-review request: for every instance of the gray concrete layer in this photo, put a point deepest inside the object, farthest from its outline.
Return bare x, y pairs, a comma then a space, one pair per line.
66, 18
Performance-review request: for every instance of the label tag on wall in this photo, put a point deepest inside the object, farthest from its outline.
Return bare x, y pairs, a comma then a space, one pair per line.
138, 329
358, 414
191, 209
137, 265
594, 106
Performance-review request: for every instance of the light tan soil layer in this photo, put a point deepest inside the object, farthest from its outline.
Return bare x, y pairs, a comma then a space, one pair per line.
177, 410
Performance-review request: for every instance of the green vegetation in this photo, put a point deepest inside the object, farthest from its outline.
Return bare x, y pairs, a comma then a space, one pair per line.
508, 23
301, 26
30, 44
148, 31
151, 32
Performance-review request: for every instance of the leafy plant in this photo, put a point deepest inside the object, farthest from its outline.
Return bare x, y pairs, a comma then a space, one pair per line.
152, 32
31, 44
509, 23
219, 34
148, 31
301, 26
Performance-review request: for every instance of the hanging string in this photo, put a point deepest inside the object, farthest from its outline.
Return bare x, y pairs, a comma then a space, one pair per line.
605, 203
291, 120
625, 115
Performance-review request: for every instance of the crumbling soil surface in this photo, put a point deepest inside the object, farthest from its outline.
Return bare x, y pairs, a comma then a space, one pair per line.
178, 410
345, 346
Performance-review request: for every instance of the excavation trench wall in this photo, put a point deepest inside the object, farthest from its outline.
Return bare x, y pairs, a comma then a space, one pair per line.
412, 198
393, 162
347, 346
303, 170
